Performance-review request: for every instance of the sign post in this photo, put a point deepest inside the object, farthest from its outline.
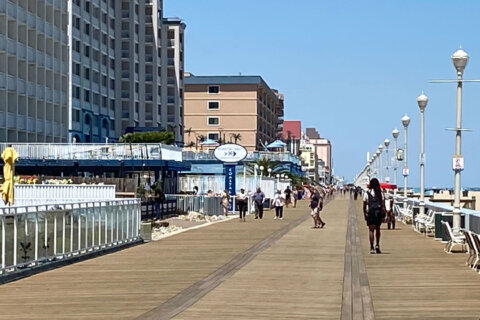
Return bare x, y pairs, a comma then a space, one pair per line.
230, 174
230, 154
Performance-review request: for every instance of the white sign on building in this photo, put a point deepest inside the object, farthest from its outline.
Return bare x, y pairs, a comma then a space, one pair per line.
230, 153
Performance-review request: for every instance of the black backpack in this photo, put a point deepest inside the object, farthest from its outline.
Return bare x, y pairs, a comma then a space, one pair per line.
375, 208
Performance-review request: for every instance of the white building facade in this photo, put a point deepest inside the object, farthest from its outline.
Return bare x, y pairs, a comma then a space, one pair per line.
34, 71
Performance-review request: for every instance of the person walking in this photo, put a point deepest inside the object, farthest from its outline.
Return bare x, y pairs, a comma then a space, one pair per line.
288, 196
224, 202
258, 200
316, 205
242, 199
279, 202
389, 210
294, 197
159, 201
374, 212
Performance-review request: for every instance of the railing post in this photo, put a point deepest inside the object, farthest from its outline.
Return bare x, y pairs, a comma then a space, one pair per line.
15, 240
71, 230
63, 232
36, 232
79, 233
54, 234
3, 240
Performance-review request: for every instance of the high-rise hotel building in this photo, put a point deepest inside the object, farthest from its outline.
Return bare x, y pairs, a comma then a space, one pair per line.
98, 67
34, 70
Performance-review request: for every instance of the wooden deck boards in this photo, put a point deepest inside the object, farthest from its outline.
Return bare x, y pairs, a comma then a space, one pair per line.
414, 278
298, 275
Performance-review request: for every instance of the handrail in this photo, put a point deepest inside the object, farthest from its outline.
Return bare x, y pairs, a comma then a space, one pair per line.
32, 235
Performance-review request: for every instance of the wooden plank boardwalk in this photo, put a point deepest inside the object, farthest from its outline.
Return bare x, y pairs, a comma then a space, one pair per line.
414, 278
260, 269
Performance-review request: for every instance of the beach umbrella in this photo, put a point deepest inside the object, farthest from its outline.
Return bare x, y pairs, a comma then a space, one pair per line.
384, 185
276, 144
9, 156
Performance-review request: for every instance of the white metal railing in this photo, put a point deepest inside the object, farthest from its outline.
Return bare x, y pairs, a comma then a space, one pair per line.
35, 194
92, 151
33, 235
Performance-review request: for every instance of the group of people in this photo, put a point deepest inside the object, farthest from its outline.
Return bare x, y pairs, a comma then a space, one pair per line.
281, 199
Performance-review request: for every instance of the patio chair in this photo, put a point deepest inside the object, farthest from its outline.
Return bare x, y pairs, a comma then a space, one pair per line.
421, 219
454, 238
430, 224
476, 242
407, 213
472, 249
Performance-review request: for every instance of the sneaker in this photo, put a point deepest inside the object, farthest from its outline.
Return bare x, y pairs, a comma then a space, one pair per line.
372, 251
281, 218
275, 217
377, 249
323, 225
256, 217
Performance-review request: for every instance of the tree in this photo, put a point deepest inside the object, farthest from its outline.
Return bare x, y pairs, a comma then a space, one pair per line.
188, 131
165, 137
236, 136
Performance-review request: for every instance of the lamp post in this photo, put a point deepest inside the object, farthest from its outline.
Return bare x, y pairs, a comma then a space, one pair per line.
255, 168
395, 136
405, 122
459, 59
422, 101
377, 163
269, 171
278, 179
386, 142
380, 148
261, 172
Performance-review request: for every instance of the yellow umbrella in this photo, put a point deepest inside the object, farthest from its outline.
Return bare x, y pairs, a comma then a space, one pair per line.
9, 156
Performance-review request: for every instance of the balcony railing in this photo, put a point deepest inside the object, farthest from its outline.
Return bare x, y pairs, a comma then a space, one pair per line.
91, 151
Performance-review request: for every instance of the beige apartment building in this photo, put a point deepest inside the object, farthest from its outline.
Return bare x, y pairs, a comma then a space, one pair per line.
240, 109
324, 152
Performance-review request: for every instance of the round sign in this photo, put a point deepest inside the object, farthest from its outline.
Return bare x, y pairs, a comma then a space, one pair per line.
230, 152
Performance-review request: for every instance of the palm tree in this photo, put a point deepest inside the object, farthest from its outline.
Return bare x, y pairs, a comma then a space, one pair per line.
236, 136
199, 139
266, 163
188, 131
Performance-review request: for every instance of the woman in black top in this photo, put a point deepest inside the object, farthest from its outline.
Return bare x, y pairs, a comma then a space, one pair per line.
374, 212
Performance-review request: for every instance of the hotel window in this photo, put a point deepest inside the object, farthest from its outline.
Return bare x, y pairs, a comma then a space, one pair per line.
213, 89
213, 105
213, 136
213, 121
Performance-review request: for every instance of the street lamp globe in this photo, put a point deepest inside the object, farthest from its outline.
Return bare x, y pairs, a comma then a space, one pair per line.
405, 121
377, 153
386, 142
255, 166
395, 133
278, 176
380, 148
262, 167
422, 101
460, 59
269, 170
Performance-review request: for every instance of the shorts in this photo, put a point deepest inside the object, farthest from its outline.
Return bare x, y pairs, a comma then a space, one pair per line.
315, 212
373, 221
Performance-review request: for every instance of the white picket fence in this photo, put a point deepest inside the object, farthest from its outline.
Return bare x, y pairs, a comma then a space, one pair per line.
35, 194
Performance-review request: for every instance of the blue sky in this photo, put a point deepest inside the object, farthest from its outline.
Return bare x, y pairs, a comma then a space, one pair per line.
351, 69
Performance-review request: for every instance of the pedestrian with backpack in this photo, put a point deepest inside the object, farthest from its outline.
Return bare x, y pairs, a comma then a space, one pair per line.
374, 212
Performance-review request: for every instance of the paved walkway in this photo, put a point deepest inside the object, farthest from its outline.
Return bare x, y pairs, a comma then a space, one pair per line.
259, 269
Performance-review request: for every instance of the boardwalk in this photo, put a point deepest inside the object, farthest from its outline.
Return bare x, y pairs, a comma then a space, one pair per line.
260, 269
